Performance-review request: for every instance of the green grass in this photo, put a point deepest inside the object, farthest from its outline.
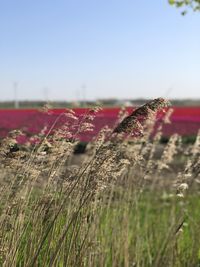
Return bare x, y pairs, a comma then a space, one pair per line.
138, 232
123, 229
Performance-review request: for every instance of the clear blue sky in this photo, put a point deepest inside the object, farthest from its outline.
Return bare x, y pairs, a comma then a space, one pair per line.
117, 48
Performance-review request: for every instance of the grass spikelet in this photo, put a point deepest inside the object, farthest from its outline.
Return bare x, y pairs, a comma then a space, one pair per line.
140, 115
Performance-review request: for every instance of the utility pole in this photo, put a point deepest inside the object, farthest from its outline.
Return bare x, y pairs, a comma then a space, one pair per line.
46, 94
15, 88
77, 97
83, 87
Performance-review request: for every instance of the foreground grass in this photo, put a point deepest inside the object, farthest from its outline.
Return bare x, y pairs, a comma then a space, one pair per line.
153, 232
131, 202
121, 228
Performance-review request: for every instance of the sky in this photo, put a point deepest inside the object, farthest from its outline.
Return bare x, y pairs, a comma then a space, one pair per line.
75, 49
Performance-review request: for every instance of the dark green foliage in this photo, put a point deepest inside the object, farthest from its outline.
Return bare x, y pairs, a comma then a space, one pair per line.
193, 4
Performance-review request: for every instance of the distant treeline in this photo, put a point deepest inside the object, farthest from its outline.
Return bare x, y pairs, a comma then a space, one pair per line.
100, 102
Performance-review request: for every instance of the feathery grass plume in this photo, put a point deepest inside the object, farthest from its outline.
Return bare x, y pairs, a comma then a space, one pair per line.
167, 116
46, 109
140, 115
9, 145
192, 170
169, 152
111, 151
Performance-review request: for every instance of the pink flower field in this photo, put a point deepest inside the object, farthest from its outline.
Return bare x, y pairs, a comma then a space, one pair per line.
184, 121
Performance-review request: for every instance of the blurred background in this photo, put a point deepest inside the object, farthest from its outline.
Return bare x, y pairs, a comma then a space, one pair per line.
86, 53
111, 52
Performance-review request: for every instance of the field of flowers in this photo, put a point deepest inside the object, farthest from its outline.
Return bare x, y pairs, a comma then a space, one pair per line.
185, 121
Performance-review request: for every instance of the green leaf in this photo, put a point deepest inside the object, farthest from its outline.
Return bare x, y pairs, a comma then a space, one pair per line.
171, 2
